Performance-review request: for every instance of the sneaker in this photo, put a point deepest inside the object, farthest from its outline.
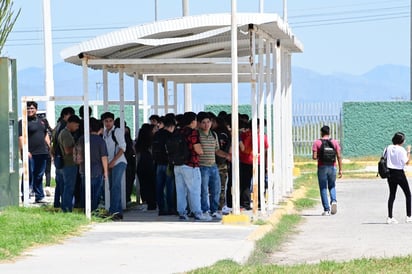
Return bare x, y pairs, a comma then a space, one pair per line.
216, 216
183, 217
408, 220
205, 217
47, 191
41, 201
226, 210
391, 221
334, 208
326, 213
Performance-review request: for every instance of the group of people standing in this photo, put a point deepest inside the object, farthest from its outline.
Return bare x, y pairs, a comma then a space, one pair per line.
66, 147
198, 186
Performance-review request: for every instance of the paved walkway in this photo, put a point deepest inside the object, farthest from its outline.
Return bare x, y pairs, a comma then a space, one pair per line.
358, 230
142, 243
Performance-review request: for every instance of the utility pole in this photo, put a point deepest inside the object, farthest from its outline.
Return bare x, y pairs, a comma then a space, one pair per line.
48, 62
155, 10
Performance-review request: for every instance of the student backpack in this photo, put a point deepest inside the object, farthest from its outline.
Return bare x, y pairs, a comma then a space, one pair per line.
177, 149
327, 152
383, 170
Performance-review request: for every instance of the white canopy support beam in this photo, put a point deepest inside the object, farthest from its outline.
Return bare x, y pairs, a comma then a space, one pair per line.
235, 109
87, 160
261, 131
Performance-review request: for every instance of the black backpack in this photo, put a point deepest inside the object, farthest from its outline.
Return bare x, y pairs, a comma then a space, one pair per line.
327, 152
177, 149
158, 146
129, 153
383, 170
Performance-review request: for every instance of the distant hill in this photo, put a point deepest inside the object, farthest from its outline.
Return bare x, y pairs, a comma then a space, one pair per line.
383, 83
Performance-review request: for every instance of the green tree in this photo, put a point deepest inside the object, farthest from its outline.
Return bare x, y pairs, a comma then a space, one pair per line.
7, 20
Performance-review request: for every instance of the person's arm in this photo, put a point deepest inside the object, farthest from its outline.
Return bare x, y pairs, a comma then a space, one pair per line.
47, 141
105, 167
408, 153
198, 148
339, 157
314, 151
223, 154
314, 155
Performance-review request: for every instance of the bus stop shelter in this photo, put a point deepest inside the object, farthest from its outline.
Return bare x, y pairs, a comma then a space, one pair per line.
199, 49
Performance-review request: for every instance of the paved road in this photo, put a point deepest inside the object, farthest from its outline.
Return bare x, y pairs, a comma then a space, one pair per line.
359, 230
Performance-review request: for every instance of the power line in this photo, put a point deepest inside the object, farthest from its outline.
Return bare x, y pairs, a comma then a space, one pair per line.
366, 15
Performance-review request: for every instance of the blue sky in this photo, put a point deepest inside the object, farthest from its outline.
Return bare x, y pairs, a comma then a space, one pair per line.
343, 36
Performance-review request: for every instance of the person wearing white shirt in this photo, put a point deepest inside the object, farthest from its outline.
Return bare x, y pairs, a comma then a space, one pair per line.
397, 157
116, 146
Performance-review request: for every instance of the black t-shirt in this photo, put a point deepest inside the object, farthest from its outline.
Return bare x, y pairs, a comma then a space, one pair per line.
37, 130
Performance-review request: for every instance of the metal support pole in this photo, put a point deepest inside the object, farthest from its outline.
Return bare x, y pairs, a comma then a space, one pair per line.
235, 110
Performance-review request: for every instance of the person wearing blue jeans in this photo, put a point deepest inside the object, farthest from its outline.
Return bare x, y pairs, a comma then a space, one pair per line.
58, 191
98, 162
38, 148
165, 180
116, 146
211, 187
327, 183
69, 179
67, 143
326, 151
37, 166
188, 188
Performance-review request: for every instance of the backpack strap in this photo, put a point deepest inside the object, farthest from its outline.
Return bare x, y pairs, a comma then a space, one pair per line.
384, 152
114, 137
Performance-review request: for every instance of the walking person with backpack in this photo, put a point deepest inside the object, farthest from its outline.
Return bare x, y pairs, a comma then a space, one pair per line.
397, 157
327, 150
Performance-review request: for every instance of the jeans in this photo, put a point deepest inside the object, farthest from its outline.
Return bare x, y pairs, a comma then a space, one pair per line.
327, 179
37, 166
96, 187
69, 182
188, 182
210, 190
115, 183
164, 179
58, 192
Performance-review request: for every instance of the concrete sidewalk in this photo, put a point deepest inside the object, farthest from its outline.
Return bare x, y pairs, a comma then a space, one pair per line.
358, 230
142, 243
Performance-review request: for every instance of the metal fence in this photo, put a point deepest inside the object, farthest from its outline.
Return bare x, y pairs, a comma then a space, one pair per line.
308, 119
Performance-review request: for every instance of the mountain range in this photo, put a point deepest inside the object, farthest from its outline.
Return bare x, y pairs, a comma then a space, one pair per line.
383, 83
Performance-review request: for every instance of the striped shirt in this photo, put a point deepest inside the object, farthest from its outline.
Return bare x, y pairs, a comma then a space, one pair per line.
209, 144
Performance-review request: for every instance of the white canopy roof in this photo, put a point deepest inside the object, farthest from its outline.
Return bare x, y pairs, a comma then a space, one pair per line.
178, 46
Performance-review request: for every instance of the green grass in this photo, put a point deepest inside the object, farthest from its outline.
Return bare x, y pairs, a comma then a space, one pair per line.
22, 228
